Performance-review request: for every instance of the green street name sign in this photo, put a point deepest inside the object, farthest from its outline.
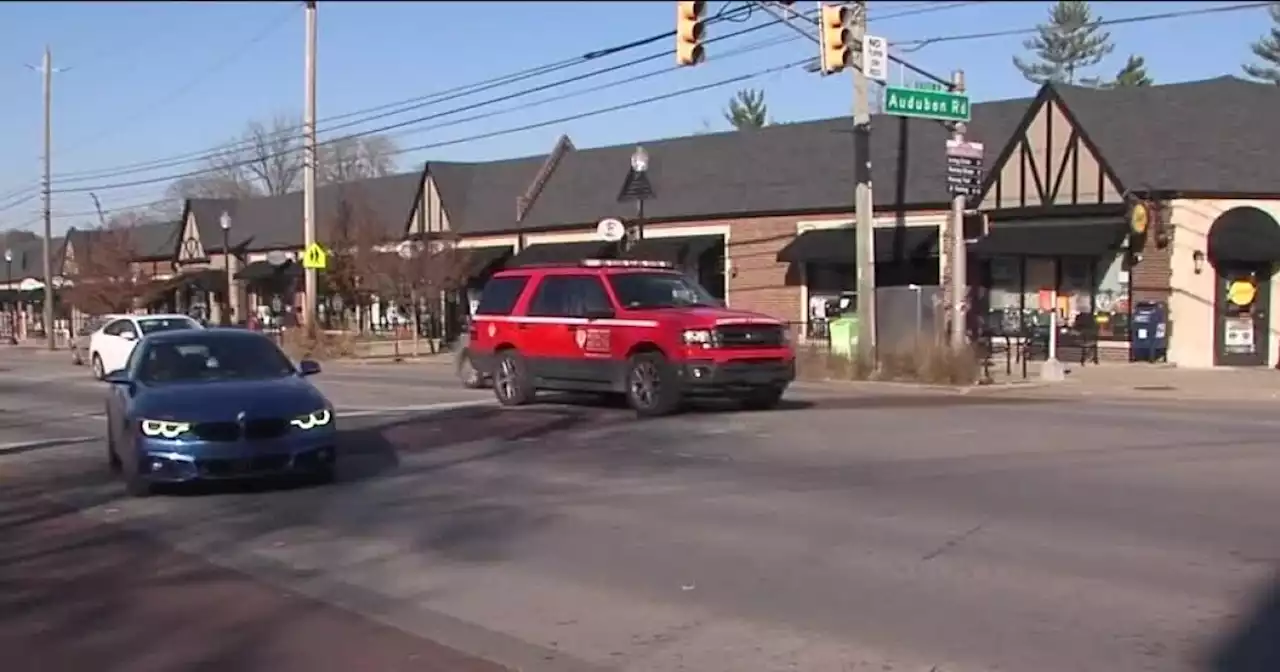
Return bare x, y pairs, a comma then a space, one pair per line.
926, 104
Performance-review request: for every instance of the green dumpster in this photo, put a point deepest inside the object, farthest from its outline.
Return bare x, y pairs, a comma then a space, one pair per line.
844, 335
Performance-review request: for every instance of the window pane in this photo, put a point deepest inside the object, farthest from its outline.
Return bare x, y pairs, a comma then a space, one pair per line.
500, 295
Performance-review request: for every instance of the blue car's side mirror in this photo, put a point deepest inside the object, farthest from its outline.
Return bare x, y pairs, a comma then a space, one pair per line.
118, 377
308, 367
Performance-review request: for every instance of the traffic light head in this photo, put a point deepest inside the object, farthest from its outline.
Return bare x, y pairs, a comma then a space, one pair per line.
837, 38
689, 32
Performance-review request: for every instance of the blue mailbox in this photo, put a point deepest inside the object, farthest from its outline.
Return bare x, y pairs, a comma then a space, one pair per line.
1149, 331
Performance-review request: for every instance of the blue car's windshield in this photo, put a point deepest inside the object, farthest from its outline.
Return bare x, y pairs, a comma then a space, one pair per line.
202, 357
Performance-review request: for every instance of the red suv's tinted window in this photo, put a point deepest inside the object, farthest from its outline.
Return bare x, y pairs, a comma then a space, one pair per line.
658, 290
500, 295
569, 296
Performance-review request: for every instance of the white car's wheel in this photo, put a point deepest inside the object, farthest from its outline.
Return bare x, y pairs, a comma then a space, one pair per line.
96, 365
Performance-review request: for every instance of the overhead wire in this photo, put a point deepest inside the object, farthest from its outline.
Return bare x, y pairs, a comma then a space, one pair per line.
399, 107
422, 119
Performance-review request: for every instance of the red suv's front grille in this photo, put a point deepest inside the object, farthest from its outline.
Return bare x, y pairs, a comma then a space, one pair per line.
750, 336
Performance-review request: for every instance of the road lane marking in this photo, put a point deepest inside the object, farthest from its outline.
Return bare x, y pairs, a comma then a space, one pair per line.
22, 446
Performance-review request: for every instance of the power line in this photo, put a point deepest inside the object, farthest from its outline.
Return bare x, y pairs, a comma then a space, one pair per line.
1178, 14
401, 124
464, 108
398, 107
558, 120
191, 84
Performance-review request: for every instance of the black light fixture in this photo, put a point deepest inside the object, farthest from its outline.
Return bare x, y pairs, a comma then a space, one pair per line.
637, 188
8, 279
1197, 258
225, 222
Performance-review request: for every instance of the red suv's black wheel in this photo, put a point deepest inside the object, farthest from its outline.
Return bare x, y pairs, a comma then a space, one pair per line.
511, 382
652, 388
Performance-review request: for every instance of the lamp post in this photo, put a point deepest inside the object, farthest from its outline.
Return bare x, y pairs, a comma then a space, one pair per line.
8, 283
225, 222
640, 165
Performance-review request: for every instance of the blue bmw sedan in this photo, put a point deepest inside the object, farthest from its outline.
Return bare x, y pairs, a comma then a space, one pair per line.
216, 404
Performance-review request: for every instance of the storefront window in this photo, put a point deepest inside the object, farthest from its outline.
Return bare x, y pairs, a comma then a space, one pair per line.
1111, 301
1021, 294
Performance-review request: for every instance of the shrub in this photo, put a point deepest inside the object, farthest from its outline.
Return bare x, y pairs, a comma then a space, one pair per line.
926, 362
298, 344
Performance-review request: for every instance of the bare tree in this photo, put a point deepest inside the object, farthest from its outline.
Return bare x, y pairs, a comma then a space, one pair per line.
352, 236
104, 278
267, 160
419, 274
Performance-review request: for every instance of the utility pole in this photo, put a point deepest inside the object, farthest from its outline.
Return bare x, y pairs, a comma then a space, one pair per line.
864, 220
959, 259
309, 168
46, 187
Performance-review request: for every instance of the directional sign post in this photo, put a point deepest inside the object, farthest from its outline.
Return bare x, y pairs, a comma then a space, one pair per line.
964, 168
926, 104
314, 257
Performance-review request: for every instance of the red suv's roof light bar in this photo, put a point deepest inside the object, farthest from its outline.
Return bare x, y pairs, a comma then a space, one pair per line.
625, 263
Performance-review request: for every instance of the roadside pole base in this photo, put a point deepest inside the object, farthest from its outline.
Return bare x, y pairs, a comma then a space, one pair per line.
1052, 371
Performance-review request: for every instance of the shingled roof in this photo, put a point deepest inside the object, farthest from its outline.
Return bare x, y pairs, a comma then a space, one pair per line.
28, 260
796, 167
1218, 135
275, 222
155, 241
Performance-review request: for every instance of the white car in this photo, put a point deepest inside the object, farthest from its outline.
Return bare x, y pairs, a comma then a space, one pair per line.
111, 345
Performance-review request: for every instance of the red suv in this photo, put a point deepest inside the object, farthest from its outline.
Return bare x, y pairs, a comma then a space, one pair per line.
634, 327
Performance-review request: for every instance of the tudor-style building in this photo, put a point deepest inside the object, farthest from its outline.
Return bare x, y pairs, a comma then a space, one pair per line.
1061, 193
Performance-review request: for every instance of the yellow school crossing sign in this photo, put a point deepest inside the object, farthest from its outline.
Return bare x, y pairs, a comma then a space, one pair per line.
314, 257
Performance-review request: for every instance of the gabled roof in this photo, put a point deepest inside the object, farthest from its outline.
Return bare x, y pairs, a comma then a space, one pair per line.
1217, 135
800, 167
155, 241
275, 222
28, 259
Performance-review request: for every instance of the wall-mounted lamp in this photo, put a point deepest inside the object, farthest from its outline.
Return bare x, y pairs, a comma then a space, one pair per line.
1197, 258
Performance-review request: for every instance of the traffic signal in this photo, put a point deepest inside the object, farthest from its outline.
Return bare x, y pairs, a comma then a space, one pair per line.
837, 38
689, 31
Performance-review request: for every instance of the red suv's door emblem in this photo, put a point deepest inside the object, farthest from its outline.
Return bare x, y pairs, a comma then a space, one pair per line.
580, 336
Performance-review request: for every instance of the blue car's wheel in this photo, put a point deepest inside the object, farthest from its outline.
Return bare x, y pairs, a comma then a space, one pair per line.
135, 484
113, 460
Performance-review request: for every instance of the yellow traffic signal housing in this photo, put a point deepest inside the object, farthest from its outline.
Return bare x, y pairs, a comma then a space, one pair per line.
837, 38
689, 32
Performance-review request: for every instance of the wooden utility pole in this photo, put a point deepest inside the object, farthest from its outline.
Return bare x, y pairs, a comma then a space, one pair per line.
863, 203
309, 168
46, 188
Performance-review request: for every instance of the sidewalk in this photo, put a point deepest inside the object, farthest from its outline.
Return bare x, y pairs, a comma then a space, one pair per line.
1150, 381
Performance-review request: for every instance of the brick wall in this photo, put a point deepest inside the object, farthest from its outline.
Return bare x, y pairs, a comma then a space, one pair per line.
1151, 278
757, 280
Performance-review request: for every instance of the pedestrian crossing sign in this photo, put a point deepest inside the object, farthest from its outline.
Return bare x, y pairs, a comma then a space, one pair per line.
314, 257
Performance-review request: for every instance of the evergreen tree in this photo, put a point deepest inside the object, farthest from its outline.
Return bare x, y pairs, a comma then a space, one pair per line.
1268, 50
1070, 42
747, 110
1134, 73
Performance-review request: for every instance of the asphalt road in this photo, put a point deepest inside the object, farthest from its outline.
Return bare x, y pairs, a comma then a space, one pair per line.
904, 531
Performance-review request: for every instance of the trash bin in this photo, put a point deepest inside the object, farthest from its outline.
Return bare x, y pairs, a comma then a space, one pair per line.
844, 335
1149, 332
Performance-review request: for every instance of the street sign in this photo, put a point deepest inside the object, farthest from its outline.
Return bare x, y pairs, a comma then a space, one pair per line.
925, 104
964, 167
314, 257
611, 230
875, 58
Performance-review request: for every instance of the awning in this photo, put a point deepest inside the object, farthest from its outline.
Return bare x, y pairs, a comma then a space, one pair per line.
1244, 234
265, 270
481, 259
562, 253
207, 279
1064, 238
837, 246
677, 250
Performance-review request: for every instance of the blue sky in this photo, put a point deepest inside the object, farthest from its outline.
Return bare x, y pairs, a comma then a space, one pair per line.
148, 81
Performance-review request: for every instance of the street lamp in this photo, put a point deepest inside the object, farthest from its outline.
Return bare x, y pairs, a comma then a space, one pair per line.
225, 222
637, 188
8, 281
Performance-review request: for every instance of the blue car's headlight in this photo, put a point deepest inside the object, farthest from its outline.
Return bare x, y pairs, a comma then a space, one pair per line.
165, 429
313, 420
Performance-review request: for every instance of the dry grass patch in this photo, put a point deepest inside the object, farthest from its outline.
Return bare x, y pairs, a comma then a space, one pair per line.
933, 363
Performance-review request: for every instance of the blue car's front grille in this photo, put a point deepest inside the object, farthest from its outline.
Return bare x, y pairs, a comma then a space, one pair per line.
253, 430
246, 466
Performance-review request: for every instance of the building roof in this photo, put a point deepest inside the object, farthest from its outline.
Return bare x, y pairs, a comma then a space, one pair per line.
806, 166
1217, 135
28, 260
275, 222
